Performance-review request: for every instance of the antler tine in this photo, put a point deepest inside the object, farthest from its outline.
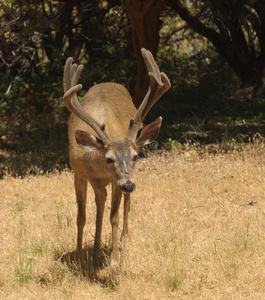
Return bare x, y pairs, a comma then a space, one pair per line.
71, 74
150, 63
70, 80
159, 84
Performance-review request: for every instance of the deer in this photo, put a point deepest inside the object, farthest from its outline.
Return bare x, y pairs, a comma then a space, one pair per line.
105, 133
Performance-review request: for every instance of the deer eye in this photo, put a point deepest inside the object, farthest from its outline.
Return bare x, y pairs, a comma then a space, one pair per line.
109, 160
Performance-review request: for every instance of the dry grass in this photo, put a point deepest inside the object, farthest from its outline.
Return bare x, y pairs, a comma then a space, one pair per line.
197, 227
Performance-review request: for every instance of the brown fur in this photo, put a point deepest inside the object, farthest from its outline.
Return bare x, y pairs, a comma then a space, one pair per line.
104, 152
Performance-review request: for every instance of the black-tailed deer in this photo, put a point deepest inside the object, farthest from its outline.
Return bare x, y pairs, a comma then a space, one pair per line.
104, 135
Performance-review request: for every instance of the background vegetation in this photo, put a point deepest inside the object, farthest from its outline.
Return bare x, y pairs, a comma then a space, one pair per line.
209, 50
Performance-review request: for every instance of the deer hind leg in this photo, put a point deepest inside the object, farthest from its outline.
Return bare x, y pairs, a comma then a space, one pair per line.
100, 198
114, 220
81, 194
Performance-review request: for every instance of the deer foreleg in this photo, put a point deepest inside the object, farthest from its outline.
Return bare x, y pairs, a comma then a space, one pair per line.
125, 215
100, 194
114, 220
81, 192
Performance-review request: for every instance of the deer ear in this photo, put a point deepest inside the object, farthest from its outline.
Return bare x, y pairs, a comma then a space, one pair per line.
147, 134
88, 141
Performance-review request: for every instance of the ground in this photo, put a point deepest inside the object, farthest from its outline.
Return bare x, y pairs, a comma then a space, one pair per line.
197, 226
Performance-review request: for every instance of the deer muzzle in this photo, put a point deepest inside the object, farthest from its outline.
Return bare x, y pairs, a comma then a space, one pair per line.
127, 187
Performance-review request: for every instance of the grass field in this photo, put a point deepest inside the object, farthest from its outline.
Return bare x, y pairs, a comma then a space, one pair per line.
197, 231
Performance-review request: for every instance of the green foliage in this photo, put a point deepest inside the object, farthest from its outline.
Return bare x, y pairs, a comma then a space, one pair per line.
36, 38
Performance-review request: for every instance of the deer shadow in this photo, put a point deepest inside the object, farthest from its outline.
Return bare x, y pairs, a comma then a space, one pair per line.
101, 274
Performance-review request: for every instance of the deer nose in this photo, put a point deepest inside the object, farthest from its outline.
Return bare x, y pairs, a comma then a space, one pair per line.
128, 187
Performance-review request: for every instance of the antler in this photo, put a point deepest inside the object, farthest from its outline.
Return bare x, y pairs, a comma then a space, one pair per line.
70, 80
159, 84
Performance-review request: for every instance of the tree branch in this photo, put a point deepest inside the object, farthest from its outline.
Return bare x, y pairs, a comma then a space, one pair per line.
173, 31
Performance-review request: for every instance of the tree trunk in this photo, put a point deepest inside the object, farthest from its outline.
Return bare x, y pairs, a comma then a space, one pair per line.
144, 16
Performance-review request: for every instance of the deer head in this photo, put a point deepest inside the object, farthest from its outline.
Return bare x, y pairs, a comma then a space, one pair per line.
119, 153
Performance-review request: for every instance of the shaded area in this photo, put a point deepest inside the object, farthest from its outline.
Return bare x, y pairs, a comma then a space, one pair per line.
238, 118
37, 152
204, 106
101, 274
